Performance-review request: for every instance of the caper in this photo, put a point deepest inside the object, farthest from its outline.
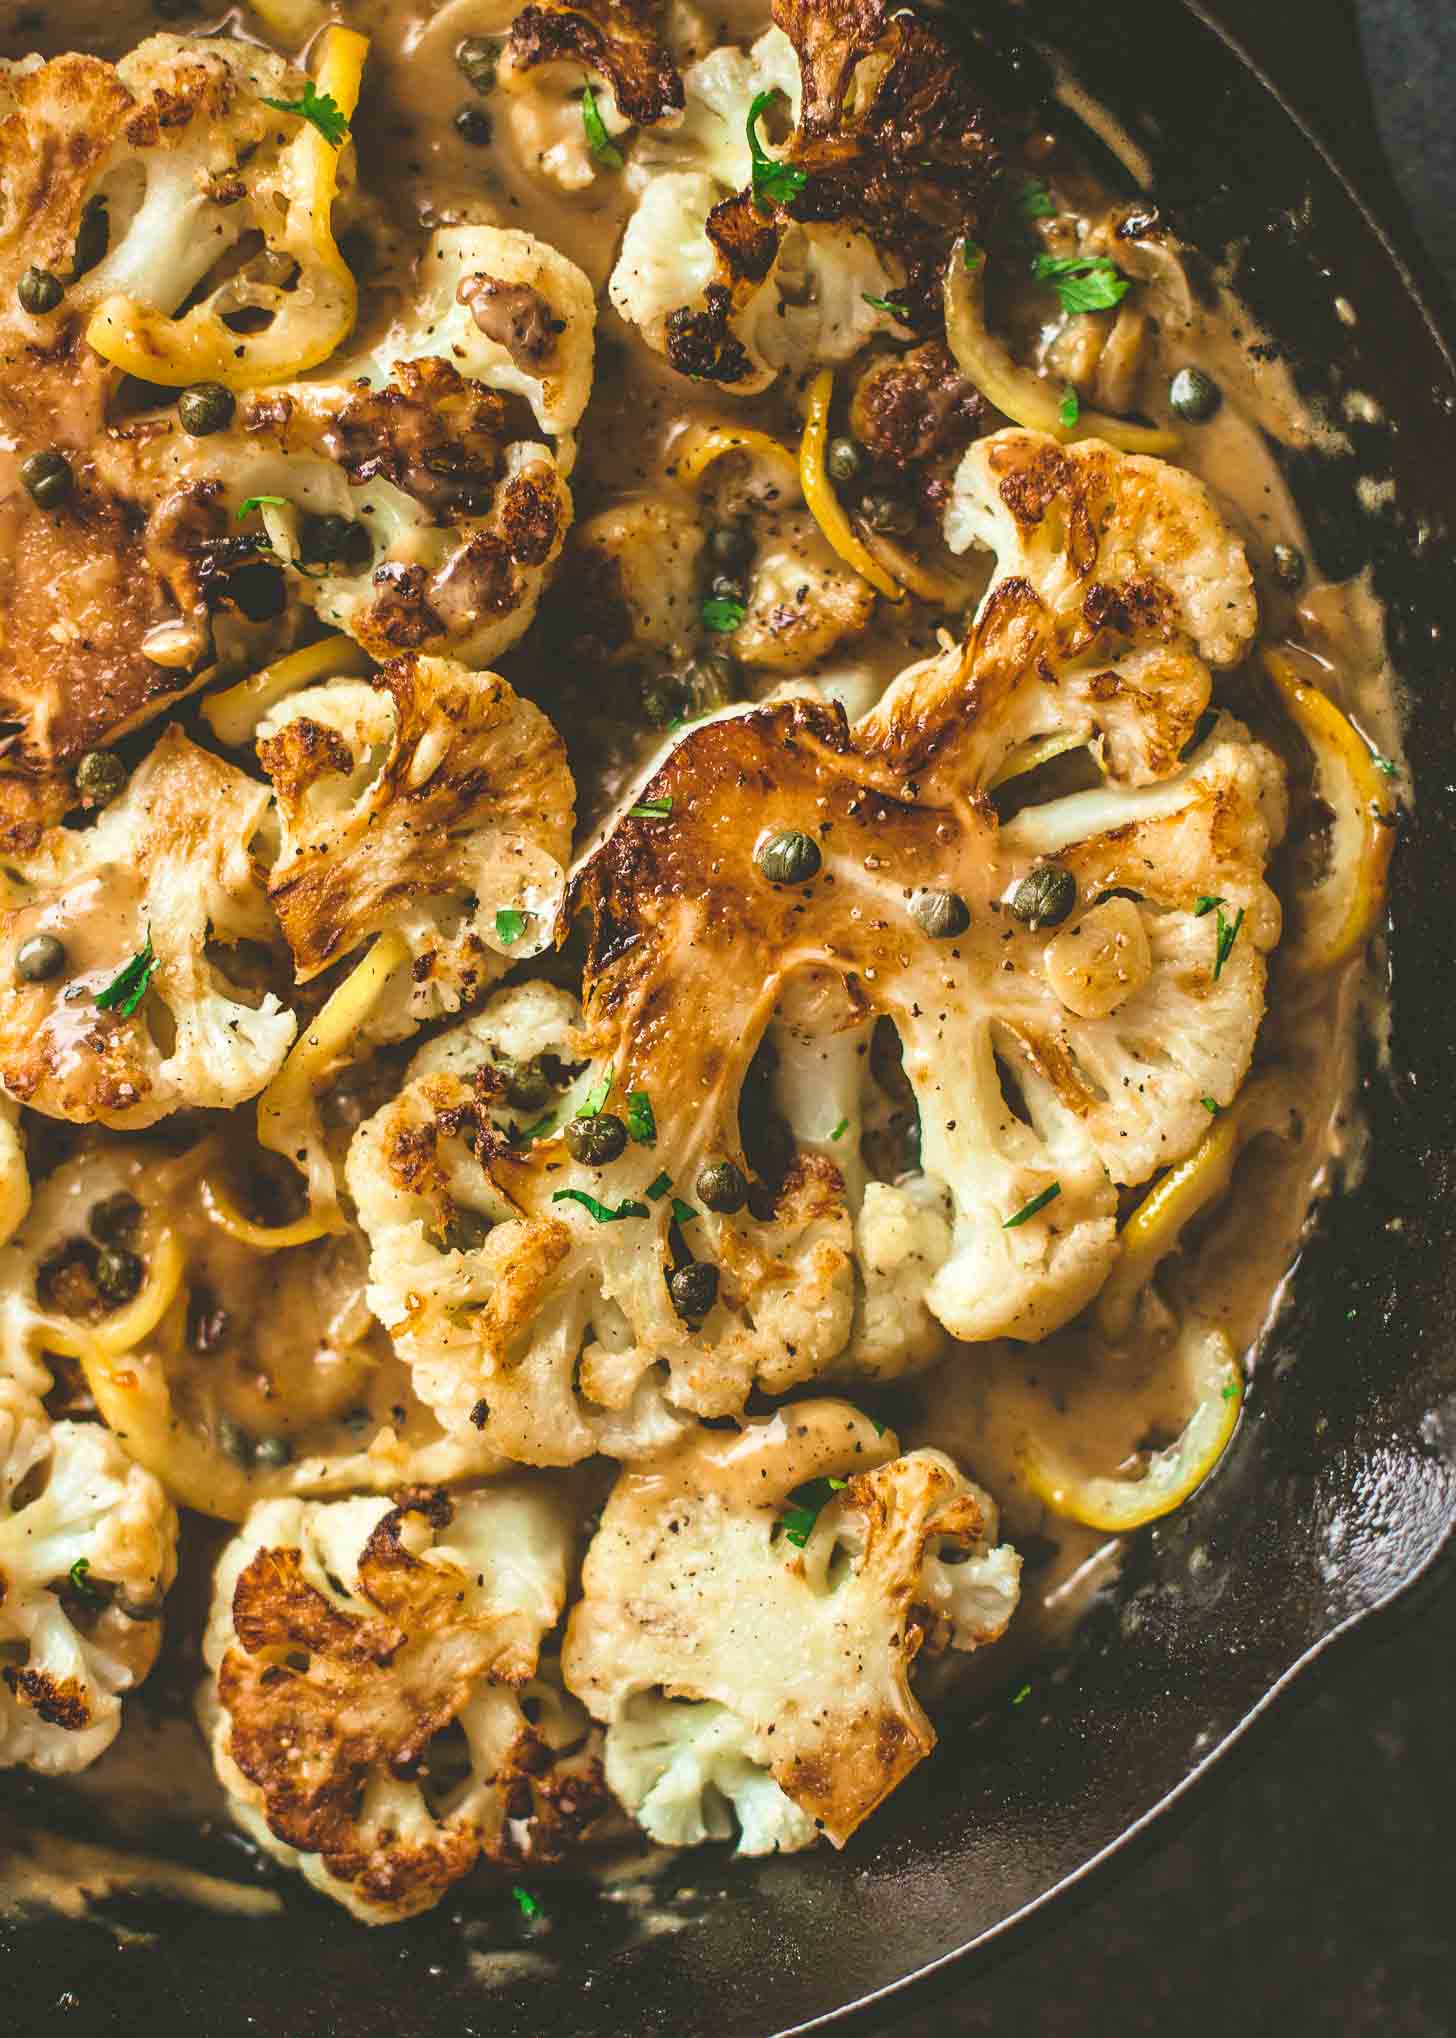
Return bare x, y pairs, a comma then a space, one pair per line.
93, 237
100, 776
693, 1288
1288, 565
335, 537
731, 545
476, 59
115, 1219
843, 459
234, 1441
596, 1140
1044, 896
788, 858
712, 680
39, 959
727, 587
1194, 395
118, 1273
888, 513
274, 1451
941, 915
721, 1187
205, 408
526, 1083
48, 478
661, 701
462, 1231
473, 125
39, 292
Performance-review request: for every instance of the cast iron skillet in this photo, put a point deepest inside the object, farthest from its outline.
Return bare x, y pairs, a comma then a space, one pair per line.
1341, 1491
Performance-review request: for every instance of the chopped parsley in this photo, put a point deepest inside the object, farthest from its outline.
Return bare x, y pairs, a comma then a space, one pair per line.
879, 1427
806, 1504
598, 140
658, 1189
1205, 903
722, 614
774, 183
1071, 408
641, 1119
596, 1097
1231, 1392
526, 1904
1211, 1105
840, 1129
129, 986
1022, 1695
886, 305
527, 1134
651, 810
973, 256
320, 110
251, 502
1228, 934
683, 1213
1082, 282
602, 1212
1386, 764
81, 1582
509, 926
1034, 201
1048, 1195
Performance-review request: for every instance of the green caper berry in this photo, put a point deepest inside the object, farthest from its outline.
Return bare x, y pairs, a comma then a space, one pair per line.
100, 776
526, 1083
941, 915
727, 587
843, 459
721, 1187
335, 537
39, 292
463, 1231
205, 408
273, 1451
473, 125
693, 1288
115, 1219
888, 513
789, 858
119, 1273
476, 59
39, 959
234, 1441
597, 1140
1194, 395
1044, 897
731, 545
93, 237
48, 478
1288, 565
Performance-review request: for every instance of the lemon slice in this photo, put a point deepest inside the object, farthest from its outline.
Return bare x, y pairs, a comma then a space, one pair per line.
824, 504
234, 713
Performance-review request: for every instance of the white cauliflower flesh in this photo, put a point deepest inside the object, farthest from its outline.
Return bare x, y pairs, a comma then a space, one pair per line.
87, 1550
554, 55
429, 801
14, 1173
345, 1637
752, 1606
143, 1018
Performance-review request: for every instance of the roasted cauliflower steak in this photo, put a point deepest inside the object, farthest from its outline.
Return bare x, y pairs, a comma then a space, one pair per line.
752, 1606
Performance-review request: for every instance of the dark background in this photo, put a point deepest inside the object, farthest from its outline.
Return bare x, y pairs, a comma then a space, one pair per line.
1313, 1888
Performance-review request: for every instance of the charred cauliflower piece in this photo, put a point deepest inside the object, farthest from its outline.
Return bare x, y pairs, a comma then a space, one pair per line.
752, 1606
344, 1638
143, 1018
428, 800
620, 45
87, 1550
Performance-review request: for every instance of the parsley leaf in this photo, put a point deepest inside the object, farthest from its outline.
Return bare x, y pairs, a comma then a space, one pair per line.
840, 1129
1022, 1695
1228, 934
651, 810
1082, 282
641, 1121
596, 1097
807, 1503
1048, 1195
1231, 1392
509, 926
1211, 1105
249, 503
722, 613
1387, 765
81, 1583
597, 139
129, 986
973, 256
1034, 201
684, 1213
774, 183
1205, 903
1071, 408
886, 305
526, 1134
658, 1189
602, 1212
525, 1902
320, 110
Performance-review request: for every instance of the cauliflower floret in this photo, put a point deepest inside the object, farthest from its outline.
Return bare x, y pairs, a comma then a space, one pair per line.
14, 1174
426, 800
345, 1636
143, 1018
712, 135
1125, 569
632, 578
520, 1054
87, 1550
619, 44
751, 1608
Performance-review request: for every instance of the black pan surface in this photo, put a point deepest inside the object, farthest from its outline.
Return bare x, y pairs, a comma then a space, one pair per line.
1341, 1491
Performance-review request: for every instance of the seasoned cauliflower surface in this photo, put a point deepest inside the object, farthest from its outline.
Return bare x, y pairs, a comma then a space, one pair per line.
752, 1606
345, 1637
87, 1551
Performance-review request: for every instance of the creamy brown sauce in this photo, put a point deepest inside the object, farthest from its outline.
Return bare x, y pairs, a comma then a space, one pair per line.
420, 173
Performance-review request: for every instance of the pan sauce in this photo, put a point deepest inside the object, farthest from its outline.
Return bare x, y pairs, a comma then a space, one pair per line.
420, 171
